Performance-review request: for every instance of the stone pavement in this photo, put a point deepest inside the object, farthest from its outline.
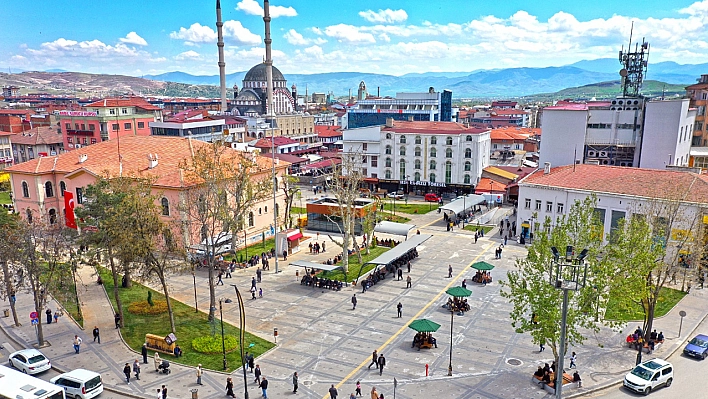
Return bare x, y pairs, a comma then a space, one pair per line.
326, 342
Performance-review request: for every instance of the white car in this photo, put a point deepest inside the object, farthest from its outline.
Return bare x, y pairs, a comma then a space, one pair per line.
397, 196
80, 383
649, 375
30, 361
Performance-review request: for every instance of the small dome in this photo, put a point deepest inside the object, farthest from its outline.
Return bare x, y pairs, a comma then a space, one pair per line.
258, 74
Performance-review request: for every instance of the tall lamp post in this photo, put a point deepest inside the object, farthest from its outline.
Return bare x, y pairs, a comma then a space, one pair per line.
567, 274
221, 316
194, 278
242, 336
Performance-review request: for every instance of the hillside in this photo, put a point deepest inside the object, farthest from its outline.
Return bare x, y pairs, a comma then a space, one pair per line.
609, 89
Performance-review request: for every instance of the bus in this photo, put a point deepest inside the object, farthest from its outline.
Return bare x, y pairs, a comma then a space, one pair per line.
17, 385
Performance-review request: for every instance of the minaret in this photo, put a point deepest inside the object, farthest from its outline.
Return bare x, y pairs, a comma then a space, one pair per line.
222, 63
268, 61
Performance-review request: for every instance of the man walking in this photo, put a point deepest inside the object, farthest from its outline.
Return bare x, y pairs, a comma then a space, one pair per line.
374, 359
259, 274
449, 271
144, 352
295, 378
199, 374
408, 282
136, 369
77, 343
333, 392
264, 387
96, 334
126, 371
400, 273
381, 362
573, 357
116, 318
354, 302
400, 309
257, 374
164, 392
49, 316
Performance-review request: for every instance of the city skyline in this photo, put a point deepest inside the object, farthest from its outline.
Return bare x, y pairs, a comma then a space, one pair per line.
365, 36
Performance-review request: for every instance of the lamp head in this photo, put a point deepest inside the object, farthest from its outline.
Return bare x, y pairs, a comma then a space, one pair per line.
583, 255
556, 254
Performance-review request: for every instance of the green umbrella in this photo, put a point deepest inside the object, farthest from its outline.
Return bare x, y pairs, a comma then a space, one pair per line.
459, 292
483, 266
424, 325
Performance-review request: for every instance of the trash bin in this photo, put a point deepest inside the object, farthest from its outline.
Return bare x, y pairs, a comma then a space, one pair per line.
195, 395
6, 312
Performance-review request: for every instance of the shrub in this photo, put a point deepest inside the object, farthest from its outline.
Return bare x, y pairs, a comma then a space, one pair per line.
150, 302
144, 308
212, 344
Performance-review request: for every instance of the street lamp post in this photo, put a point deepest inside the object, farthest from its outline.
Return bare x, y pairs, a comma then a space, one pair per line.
223, 343
241, 338
452, 318
567, 274
194, 278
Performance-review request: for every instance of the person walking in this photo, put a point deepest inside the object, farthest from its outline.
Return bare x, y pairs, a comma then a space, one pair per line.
199, 374
77, 343
56, 315
408, 282
144, 352
251, 362
259, 274
354, 302
464, 283
449, 271
230, 387
96, 334
295, 379
159, 393
323, 246
358, 388
253, 292
399, 307
374, 359
136, 369
409, 266
264, 387
257, 374
573, 358
381, 362
126, 371
49, 316
374, 393
164, 392
400, 273
333, 392
116, 318
220, 281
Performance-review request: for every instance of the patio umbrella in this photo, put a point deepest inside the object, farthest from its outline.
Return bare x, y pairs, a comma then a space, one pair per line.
458, 292
482, 266
424, 325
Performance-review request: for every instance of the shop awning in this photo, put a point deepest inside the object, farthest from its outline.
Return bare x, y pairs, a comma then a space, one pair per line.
294, 236
313, 265
400, 249
398, 229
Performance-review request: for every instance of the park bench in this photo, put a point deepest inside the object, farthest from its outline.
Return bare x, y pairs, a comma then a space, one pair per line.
645, 347
158, 343
567, 379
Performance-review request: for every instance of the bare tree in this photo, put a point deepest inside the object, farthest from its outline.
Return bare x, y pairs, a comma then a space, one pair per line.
291, 192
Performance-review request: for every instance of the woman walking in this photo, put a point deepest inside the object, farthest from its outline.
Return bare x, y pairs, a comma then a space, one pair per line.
230, 388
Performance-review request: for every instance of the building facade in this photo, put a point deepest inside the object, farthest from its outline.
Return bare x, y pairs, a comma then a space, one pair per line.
202, 127
252, 101
431, 106
698, 93
6, 158
35, 143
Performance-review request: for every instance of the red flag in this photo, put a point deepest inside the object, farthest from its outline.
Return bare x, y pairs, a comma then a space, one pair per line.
69, 207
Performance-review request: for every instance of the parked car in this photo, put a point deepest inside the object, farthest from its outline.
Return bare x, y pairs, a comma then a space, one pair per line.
432, 197
697, 347
649, 375
395, 195
80, 383
30, 361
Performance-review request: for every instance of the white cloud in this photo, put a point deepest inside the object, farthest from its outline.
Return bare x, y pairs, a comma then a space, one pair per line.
384, 16
89, 48
237, 34
317, 31
196, 33
349, 34
699, 8
133, 38
296, 39
234, 33
188, 55
252, 7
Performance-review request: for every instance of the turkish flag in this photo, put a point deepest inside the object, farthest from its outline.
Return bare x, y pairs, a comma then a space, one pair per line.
69, 207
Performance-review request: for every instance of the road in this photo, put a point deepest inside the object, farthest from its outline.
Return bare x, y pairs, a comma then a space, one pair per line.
687, 373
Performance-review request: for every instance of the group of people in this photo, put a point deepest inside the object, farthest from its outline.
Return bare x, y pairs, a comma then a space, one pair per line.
546, 374
315, 282
386, 242
636, 339
422, 338
458, 305
482, 277
316, 248
333, 261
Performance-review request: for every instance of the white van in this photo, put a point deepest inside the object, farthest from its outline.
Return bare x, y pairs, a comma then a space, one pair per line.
80, 383
648, 376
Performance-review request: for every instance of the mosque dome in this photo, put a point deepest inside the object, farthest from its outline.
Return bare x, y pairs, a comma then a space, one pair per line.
258, 74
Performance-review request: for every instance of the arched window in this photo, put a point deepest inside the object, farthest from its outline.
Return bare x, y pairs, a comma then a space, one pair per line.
417, 164
388, 150
260, 211
448, 172
402, 151
25, 190
52, 216
467, 179
388, 136
29, 215
388, 174
468, 166
250, 219
402, 140
448, 140
48, 189
266, 209
402, 168
417, 139
448, 153
416, 176
432, 178
388, 162
277, 208
62, 187
417, 151
432, 165
468, 153
433, 152
165, 206
433, 140
468, 138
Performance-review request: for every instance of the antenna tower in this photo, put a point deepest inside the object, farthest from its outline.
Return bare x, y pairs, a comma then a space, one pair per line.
634, 66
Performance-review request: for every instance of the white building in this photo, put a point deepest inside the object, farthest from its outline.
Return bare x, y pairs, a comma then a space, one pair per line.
431, 106
551, 191
443, 157
201, 127
633, 132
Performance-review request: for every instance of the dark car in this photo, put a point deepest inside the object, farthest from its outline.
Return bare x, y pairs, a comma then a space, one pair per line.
697, 347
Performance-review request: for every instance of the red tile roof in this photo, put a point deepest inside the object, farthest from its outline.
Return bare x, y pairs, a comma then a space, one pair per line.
290, 158
124, 102
37, 136
279, 140
424, 127
328, 131
647, 183
484, 186
513, 111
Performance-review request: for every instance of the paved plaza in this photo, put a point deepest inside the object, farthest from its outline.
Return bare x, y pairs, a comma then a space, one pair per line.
326, 342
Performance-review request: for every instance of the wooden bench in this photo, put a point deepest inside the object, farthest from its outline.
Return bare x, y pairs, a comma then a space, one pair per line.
567, 379
645, 348
424, 345
158, 344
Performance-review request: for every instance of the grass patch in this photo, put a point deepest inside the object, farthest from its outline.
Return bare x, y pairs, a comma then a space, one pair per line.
63, 290
5, 197
189, 325
668, 298
392, 218
298, 210
411, 208
474, 227
355, 266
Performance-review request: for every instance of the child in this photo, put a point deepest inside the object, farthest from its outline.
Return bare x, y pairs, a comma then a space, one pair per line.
260, 292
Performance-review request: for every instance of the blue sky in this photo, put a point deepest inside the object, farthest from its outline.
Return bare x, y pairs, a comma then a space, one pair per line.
313, 36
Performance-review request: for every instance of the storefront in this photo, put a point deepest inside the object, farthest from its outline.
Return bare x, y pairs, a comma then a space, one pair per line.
290, 239
423, 187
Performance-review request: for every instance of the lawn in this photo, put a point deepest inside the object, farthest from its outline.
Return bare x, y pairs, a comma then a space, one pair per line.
668, 298
355, 266
5, 198
392, 218
298, 210
411, 208
189, 325
474, 227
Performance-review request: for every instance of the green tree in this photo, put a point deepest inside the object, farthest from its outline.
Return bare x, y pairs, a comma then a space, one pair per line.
291, 192
9, 241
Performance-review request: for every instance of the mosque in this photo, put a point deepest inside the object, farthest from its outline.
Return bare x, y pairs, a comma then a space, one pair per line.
252, 99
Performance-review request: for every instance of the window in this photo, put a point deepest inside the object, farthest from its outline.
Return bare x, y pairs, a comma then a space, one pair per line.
93, 140
448, 172
468, 153
112, 111
25, 189
115, 127
432, 178
538, 205
433, 152
127, 126
417, 151
388, 162
417, 139
52, 216
388, 150
124, 111
76, 126
92, 127
402, 151
141, 125
403, 140
364, 172
448, 153
527, 203
265, 209
48, 190
364, 160
599, 125
165, 206
402, 168
250, 219
468, 138
388, 136
468, 179
417, 164
433, 140
85, 141
468, 166
559, 208
67, 126
365, 146
260, 211
62, 187
79, 195
387, 174
432, 165
69, 140
374, 161
448, 140
416, 176
549, 206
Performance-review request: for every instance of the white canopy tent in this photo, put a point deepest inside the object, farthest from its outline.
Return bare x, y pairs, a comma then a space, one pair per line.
398, 229
461, 204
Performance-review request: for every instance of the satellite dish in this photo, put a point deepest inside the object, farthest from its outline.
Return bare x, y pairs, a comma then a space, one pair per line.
623, 73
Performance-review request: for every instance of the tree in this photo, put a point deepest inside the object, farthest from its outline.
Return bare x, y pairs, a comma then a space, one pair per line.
291, 192
529, 288
9, 241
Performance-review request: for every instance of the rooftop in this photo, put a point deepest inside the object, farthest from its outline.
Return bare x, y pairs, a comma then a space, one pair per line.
328, 131
279, 140
37, 136
425, 127
137, 102
513, 133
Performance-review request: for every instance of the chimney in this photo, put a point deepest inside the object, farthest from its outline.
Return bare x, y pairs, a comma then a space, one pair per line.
83, 158
389, 122
152, 161
546, 168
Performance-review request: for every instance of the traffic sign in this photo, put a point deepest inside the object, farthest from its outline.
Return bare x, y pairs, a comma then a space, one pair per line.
34, 315
35, 322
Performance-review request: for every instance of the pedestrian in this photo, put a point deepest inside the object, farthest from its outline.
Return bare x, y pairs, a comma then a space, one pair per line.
126, 371
333, 392
500, 252
230, 268
116, 318
506, 237
285, 254
159, 393
49, 316
295, 378
354, 302
96, 334
464, 283
573, 358
144, 352
364, 286
259, 274
323, 246
449, 271
77, 343
358, 388
157, 361
260, 292
409, 266
56, 315
310, 247
164, 392
374, 359
253, 281
230, 387
374, 394
399, 307
408, 282
576, 378
400, 273
253, 292
136, 369
476, 236
264, 387
352, 396
542, 346
381, 362
220, 282
199, 374
257, 374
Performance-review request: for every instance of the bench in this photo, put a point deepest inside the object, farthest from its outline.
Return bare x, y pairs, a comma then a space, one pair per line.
645, 348
424, 345
158, 344
567, 379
